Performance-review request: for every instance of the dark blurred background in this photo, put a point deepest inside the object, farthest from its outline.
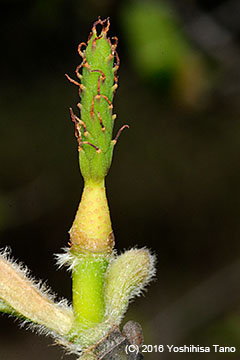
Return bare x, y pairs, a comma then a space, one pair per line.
174, 182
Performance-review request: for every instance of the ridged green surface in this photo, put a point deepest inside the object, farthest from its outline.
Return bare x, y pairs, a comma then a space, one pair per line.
97, 81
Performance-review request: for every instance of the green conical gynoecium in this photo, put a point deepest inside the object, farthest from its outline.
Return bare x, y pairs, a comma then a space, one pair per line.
98, 82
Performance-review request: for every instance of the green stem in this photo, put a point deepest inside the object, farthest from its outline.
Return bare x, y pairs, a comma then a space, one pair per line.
88, 289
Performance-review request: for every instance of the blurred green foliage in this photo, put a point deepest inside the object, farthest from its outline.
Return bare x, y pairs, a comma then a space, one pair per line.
156, 43
161, 53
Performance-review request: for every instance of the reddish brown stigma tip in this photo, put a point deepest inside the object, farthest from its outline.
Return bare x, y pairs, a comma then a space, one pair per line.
103, 76
81, 53
98, 150
119, 132
77, 127
104, 23
101, 122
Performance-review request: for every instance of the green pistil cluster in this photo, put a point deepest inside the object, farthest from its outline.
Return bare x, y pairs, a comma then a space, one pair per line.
98, 82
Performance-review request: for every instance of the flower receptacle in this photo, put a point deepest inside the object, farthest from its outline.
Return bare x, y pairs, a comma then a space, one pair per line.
91, 230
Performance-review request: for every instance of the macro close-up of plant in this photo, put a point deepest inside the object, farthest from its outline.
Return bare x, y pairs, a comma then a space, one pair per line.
103, 282
119, 181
